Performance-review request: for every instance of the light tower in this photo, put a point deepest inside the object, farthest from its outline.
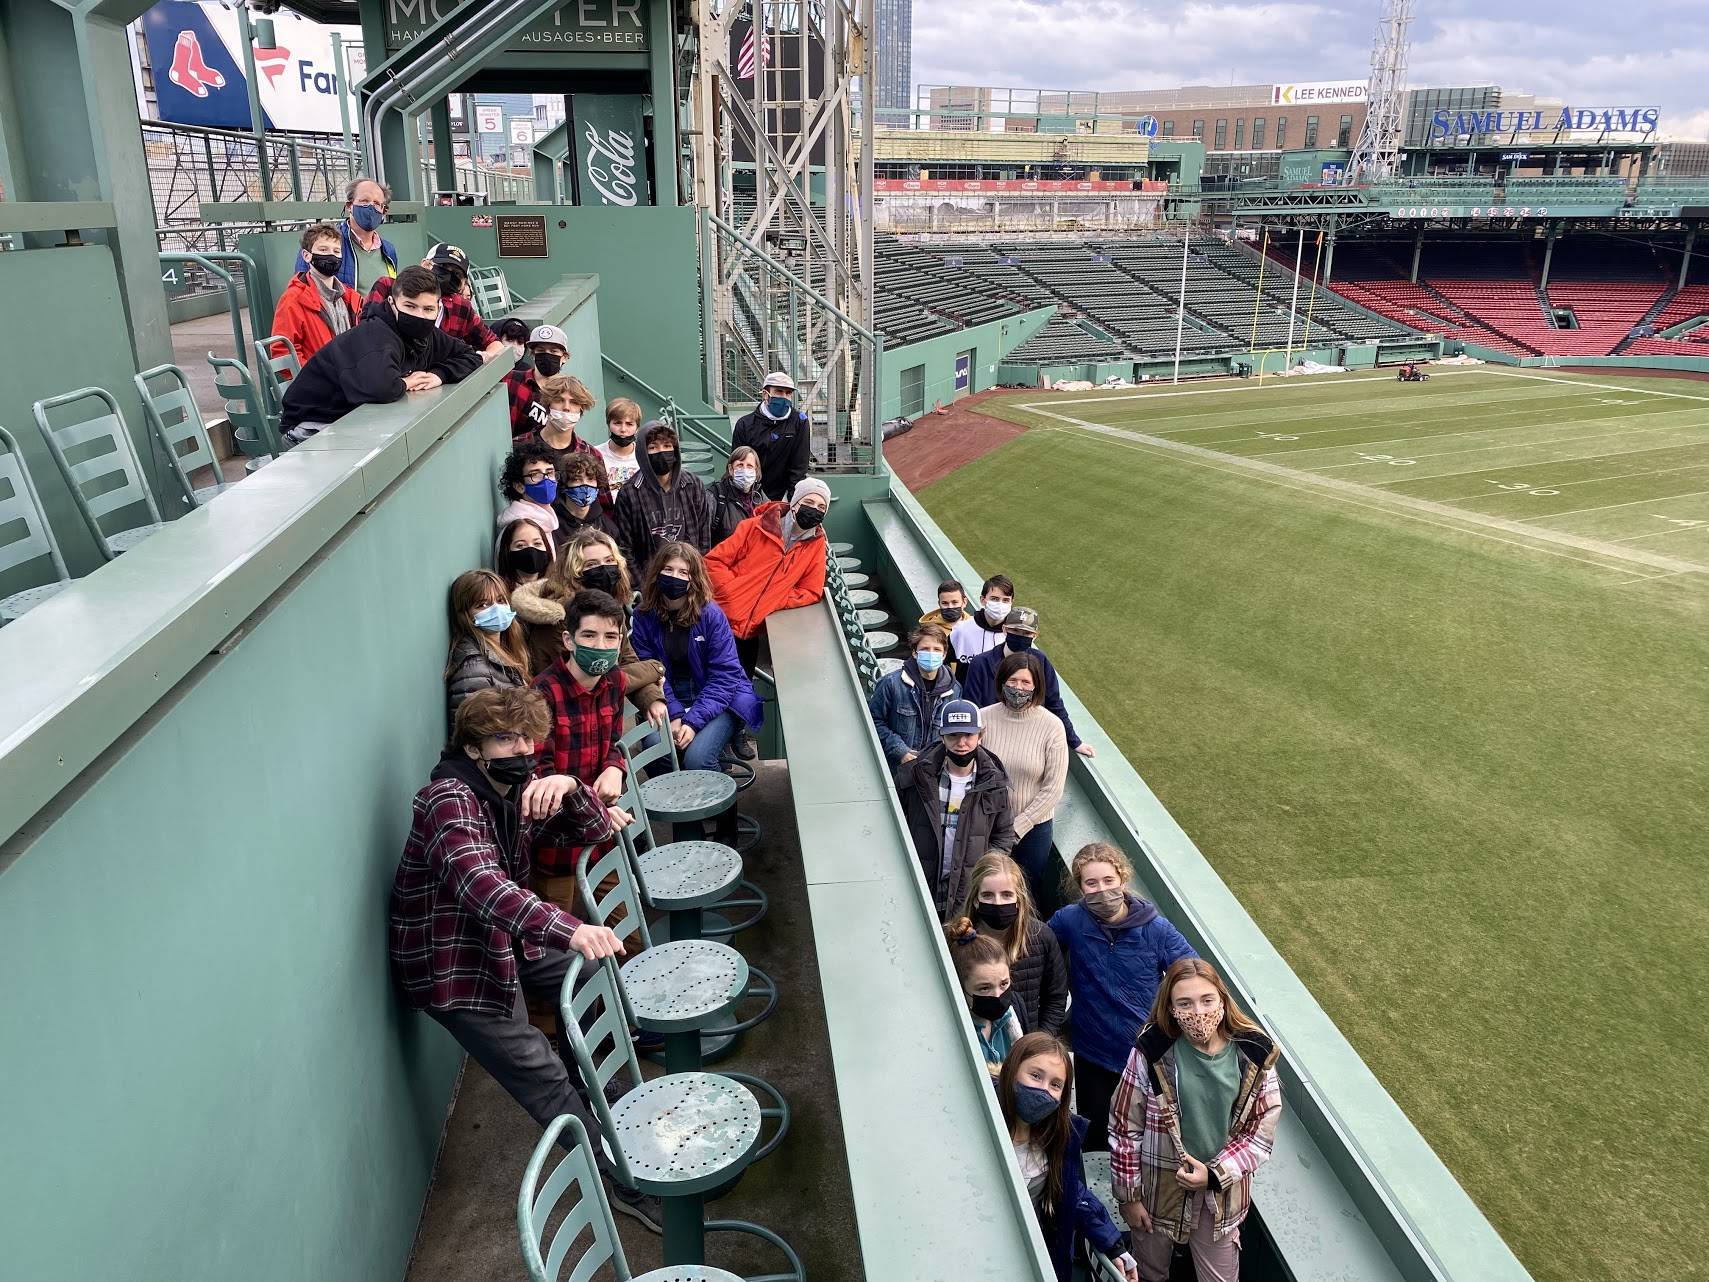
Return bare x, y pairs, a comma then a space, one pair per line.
1380, 140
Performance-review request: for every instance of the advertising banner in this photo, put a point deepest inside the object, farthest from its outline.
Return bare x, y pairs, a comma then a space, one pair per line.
611, 153
614, 26
197, 59
1014, 184
1306, 93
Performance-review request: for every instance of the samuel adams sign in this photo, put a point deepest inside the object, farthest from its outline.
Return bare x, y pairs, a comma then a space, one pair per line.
611, 153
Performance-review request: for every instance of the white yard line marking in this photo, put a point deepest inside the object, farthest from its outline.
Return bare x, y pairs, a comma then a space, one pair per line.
1659, 534
1649, 578
1597, 387
1522, 445
1398, 504
1589, 480
1609, 507
1239, 391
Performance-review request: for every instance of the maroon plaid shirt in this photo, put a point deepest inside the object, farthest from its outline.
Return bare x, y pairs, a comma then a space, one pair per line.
460, 906
457, 316
582, 741
524, 395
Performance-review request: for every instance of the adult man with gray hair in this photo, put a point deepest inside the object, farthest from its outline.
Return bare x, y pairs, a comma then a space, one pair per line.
367, 256
776, 431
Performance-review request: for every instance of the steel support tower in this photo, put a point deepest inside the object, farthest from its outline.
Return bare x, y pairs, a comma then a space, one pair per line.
1378, 152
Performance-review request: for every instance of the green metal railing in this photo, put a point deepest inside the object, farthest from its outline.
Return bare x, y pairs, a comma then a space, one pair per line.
685, 423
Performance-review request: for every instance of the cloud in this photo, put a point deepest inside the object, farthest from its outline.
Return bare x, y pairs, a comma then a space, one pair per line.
1656, 54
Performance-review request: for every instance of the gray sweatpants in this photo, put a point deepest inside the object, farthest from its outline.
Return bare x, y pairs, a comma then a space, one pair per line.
519, 1056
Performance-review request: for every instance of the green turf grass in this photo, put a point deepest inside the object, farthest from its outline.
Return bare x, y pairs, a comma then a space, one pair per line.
1461, 782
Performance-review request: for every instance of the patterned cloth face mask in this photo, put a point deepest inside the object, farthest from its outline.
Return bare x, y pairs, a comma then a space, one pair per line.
1198, 1025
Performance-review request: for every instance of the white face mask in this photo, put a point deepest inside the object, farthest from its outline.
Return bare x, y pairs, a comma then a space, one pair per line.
743, 478
566, 418
997, 611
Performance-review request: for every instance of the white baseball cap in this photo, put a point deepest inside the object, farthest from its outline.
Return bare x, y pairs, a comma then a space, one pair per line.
550, 334
777, 378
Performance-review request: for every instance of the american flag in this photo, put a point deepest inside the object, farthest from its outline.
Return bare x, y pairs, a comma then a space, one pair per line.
745, 63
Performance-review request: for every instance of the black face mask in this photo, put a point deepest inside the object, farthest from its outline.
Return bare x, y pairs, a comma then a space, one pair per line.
951, 613
672, 589
808, 517
987, 1008
450, 283
662, 462
326, 264
997, 916
622, 441
1017, 642
603, 577
510, 771
958, 759
530, 560
413, 329
548, 363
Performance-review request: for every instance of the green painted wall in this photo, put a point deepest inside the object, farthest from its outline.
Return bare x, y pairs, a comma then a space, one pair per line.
989, 342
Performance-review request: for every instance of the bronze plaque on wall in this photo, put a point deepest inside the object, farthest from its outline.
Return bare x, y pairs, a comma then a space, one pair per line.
521, 235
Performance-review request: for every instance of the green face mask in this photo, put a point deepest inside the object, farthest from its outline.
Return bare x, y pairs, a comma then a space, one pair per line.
595, 661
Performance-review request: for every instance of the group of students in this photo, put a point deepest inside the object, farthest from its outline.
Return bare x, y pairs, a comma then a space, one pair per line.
1099, 1025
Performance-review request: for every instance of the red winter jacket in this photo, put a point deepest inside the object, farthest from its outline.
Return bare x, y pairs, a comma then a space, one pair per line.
299, 318
752, 575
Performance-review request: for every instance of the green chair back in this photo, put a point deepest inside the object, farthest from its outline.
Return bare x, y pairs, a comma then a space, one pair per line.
252, 427
600, 1045
170, 408
575, 1183
94, 453
275, 368
21, 513
620, 907
638, 758
490, 292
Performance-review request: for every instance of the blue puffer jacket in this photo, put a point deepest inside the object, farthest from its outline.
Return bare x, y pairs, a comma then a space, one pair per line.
712, 665
1086, 1216
905, 712
1113, 973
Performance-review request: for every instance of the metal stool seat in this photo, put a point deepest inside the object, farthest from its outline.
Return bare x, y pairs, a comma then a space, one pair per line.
870, 619
125, 540
205, 492
840, 549
862, 598
848, 564
688, 1273
856, 580
882, 641
682, 796
684, 989
688, 874
887, 666
16, 605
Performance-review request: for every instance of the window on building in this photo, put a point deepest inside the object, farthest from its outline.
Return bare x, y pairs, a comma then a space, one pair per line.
1221, 139
1199, 129
1281, 133
1344, 133
1311, 131
1168, 128
1257, 133
1240, 135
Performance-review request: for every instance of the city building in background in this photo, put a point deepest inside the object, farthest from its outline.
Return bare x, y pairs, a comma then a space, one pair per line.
895, 73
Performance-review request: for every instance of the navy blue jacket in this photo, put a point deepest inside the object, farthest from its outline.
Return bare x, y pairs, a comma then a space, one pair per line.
347, 267
712, 665
1081, 1213
1113, 973
905, 713
980, 685
783, 444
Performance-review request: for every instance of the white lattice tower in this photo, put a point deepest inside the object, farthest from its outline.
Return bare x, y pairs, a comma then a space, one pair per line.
1378, 152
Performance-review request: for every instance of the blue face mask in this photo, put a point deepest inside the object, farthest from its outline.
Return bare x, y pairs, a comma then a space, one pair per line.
1033, 1104
778, 406
542, 492
928, 661
368, 217
582, 495
494, 618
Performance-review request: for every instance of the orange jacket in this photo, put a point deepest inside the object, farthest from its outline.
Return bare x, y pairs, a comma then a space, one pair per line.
752, 575
298, 316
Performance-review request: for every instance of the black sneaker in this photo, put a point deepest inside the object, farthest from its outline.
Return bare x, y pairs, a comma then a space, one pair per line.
746, 748
640, 1206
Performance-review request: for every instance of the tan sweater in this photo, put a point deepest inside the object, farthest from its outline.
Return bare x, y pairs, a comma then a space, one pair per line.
1033, 748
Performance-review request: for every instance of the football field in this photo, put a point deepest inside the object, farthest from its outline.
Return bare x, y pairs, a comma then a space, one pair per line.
1424, 671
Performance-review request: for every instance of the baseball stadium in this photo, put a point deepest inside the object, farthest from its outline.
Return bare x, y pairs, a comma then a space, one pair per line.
680, 656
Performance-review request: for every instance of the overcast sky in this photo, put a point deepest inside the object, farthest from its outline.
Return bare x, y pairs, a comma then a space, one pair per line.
1591, 53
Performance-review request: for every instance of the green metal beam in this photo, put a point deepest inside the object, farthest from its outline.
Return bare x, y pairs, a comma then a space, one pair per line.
56, 215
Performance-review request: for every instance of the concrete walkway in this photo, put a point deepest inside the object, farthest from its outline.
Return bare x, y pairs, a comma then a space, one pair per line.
468, 1229
192, 340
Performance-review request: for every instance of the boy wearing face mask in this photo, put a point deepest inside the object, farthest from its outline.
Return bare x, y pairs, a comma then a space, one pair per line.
622, 434
581, 483
662, 502
777, 431
904, 704
1020, 634
561, 402
530, 481
980, 630
395, 350
316, 306
548, 349
951, 607
955, 798
457, 315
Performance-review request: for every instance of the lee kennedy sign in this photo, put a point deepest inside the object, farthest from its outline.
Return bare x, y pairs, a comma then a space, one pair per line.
611, 26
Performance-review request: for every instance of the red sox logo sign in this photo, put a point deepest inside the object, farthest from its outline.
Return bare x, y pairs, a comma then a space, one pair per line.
189, 71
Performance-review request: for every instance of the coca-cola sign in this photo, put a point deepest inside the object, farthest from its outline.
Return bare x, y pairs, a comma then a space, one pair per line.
611, 154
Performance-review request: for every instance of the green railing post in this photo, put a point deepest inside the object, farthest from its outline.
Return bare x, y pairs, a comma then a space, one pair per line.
296, 168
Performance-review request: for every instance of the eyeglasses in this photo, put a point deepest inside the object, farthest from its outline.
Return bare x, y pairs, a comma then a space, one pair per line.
536, 474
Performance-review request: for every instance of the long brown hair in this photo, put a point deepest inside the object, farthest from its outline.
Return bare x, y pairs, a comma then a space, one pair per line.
1051, 1135
1014, 939
565, 576
684, 612
469, 592
1234, 1020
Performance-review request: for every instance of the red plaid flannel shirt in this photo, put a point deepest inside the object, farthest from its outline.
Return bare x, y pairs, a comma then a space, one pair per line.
460, 903
582, 741
457, 316
1145, 1134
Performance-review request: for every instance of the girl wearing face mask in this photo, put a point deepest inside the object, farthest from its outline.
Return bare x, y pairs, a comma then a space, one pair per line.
487, 646
736, 494
1033, 747
1118, 947
523, 553
904, 704
588, 559
983, 969
982, 629
1033, 1091
530, 483
679, 625
999, 907
1194, 1116
579, 493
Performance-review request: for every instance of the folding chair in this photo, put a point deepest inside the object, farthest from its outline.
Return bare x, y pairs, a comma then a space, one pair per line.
172, 416
252, 427
101, 481
21, 509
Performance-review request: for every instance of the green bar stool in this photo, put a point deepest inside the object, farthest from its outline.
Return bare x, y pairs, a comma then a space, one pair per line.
31, 536
883, 643
848, 565
170, 408
676, 796
862, 598
683, 1137
871, 620
585, 1207
840, 549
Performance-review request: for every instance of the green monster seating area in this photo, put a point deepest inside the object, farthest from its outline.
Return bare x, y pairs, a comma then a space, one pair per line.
576, 711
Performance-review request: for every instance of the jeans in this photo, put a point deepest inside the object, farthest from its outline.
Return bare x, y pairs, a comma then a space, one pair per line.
1094, 1088
1032, 853
709, 742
